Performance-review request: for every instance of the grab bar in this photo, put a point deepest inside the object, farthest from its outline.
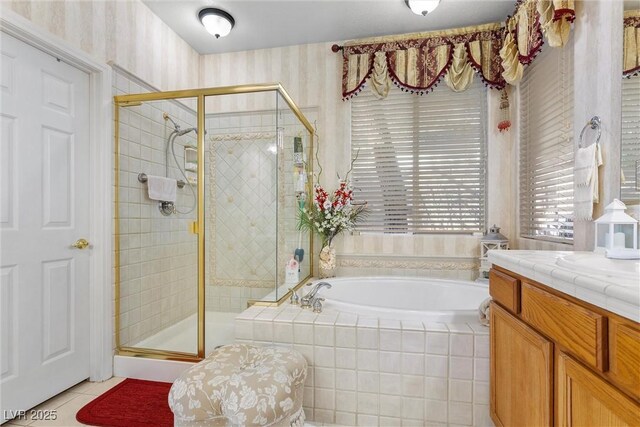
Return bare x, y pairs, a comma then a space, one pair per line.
142, 177
594, 123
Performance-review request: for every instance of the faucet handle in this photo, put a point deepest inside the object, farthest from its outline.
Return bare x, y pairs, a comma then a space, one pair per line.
317, 305
295, 298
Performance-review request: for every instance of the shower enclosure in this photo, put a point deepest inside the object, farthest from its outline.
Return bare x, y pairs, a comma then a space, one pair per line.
193, 250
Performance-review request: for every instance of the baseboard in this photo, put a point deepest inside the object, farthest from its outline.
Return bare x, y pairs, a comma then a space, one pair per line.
148, 369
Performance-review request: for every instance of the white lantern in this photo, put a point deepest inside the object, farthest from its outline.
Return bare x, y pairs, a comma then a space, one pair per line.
617, 233
493, 240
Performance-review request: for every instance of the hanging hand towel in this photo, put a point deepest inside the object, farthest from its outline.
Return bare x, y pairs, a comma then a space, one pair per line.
588, 160
161, 188
583, 169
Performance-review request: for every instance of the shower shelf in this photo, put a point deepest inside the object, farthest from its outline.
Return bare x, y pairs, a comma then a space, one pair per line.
142, 177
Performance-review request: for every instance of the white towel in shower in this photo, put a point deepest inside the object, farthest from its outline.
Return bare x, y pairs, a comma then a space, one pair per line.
587, 162
161, 188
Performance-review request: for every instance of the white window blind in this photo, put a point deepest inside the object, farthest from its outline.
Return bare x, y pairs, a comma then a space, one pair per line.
546, 146
630, 192
421, 160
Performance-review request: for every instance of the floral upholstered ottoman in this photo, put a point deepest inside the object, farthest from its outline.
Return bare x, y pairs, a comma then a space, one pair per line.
239, 385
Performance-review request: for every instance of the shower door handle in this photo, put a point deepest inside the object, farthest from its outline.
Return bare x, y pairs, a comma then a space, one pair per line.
80, 244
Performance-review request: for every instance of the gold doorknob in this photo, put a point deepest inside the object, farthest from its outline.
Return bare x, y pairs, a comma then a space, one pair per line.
80, 244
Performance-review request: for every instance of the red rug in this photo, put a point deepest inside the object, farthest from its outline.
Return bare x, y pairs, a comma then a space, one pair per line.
132, 403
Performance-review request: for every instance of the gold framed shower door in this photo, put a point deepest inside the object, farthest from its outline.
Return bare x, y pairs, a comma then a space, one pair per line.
199, 226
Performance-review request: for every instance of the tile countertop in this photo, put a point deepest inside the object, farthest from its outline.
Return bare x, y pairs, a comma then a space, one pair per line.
620, 295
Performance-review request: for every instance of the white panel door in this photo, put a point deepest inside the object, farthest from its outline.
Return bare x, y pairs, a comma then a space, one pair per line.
44, 209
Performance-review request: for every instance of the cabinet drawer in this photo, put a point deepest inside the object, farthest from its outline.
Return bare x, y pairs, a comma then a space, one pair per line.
624, 357
505, 290
581, 331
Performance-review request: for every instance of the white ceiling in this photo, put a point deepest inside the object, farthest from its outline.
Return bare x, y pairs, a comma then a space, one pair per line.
272, 23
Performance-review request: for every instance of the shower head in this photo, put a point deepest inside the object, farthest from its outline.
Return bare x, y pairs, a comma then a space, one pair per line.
186, 131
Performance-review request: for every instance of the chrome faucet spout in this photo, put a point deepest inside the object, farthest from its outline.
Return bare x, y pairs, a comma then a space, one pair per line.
312, 293
310, 297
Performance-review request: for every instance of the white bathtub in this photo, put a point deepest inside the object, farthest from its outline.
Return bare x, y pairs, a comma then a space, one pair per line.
406, 298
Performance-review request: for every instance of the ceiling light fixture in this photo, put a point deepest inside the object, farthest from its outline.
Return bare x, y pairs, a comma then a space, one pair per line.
422, 7
217, 22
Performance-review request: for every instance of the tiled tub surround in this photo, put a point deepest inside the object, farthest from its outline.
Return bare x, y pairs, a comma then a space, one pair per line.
158, 257
372, 371
614, 293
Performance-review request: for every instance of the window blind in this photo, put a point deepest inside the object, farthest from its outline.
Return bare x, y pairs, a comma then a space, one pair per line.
546, 146
420, 161
630, 192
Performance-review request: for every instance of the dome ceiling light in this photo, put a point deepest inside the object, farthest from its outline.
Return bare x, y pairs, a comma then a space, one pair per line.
422, 7
217, 22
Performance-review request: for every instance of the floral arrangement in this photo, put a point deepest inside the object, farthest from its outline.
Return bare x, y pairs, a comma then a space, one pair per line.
329, 215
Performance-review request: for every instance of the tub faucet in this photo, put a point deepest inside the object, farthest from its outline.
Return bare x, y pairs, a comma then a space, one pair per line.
310, 298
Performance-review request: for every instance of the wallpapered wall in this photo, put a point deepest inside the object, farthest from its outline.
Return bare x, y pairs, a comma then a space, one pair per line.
125, 32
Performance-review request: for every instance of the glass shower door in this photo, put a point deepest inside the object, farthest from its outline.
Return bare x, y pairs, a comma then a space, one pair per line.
157, 256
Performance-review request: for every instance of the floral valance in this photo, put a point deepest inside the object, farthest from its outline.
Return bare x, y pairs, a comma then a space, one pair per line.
496, 52
631, 56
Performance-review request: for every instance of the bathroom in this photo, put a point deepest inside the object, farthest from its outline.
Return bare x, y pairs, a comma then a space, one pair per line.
163, 291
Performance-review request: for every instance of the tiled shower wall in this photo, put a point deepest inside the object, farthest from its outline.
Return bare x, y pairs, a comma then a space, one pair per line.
241, 209
158, 256
249, 191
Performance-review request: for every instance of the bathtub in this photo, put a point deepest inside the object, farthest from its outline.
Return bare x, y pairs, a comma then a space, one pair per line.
406, 298
386, 350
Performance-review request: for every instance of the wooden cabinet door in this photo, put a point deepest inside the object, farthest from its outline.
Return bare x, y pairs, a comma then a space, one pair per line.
585, 399
521, 373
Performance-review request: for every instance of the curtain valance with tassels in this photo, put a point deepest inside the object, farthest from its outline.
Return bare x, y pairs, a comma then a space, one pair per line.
631, 56
417, 62
498, 53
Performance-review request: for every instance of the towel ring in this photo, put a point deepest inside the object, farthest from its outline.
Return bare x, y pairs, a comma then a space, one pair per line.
594, 123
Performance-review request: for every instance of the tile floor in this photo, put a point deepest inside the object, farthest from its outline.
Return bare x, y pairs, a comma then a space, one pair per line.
68, 403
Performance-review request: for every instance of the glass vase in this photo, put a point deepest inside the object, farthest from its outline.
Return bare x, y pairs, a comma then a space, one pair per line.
327, 263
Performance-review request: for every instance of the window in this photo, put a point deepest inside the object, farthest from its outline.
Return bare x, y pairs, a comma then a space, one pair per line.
546, 146
420, 161
630, 188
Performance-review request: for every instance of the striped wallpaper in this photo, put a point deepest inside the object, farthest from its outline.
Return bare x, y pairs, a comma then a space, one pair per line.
125, 32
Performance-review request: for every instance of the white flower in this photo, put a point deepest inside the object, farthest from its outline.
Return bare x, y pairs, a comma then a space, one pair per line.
286, 404
327, 204
179, 389
280, 377
249, 399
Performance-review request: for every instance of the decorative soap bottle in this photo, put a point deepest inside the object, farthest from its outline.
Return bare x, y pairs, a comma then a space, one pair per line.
292, 272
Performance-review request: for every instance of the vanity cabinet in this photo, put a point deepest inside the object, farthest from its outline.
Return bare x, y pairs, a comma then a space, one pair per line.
585, 399
556, 360
521, 371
